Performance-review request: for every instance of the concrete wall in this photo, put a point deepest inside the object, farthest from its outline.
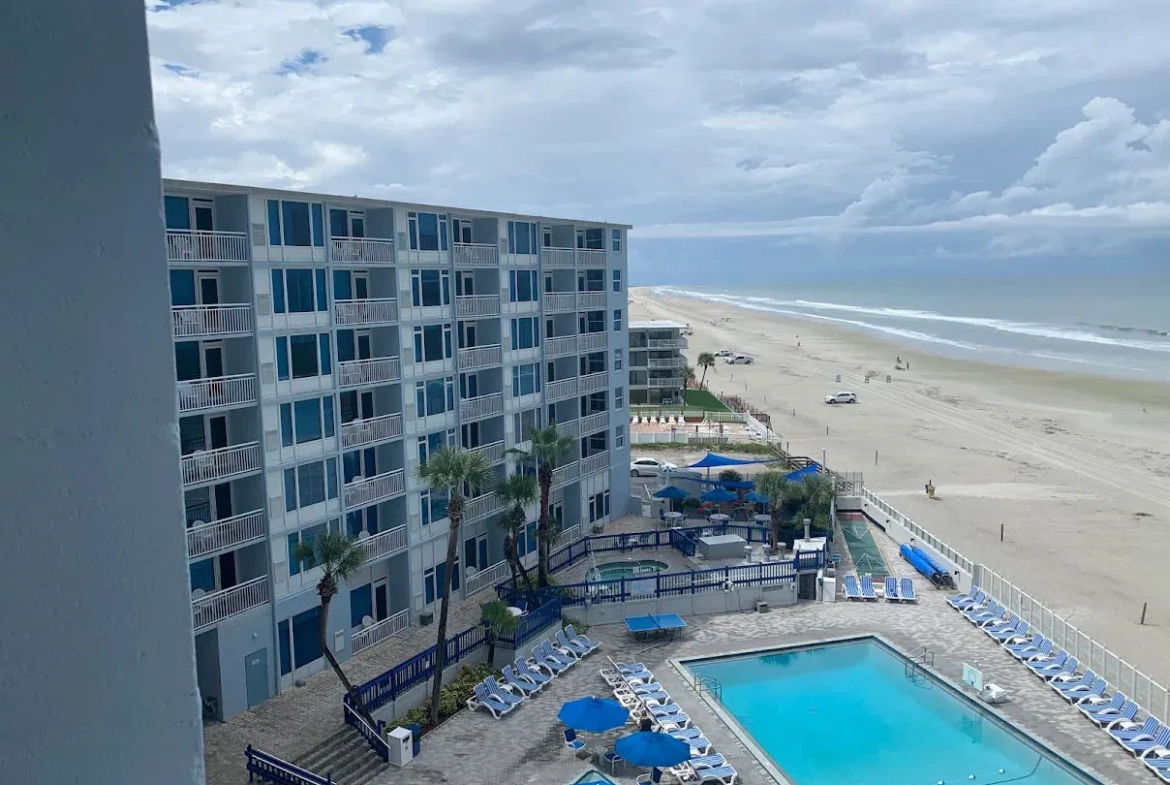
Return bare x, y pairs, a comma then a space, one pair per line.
417, 695
240, 636
737, 601
96, 646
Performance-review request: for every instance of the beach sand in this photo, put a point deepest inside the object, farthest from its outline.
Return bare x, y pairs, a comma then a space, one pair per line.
1075, 468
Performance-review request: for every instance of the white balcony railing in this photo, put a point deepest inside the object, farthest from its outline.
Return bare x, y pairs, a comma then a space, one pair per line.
217, 606
592, 342
360, 492
376, 633
197, 394
224, 534
669, 383
188, 246
563, 389
383, 543
215, 465
476, 254
481, 507
559, 347
594, 463
590, 258
375, 429
559, 301
594, 382
365, 250
205, 321
377, 370
489, 576
594, 423
383, 310
480, 357
672, 362
558, 257
571, 429
483, 406
666, 343
590, 301
477, 305
566, 474
494, 451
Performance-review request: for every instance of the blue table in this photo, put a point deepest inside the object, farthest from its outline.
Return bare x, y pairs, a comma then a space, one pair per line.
661, 624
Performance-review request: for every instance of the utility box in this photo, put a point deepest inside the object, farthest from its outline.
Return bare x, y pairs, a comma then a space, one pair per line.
828, 589
401, 749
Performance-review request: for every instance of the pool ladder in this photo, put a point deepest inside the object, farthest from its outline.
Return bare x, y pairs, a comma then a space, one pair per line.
916, 664
709, 685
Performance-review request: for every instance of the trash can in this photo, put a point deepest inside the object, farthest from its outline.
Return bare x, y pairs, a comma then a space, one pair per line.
416, 737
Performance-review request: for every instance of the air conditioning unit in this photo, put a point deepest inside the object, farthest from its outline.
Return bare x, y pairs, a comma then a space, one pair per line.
426, 619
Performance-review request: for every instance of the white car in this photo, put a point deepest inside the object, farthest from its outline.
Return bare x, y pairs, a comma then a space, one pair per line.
841, 397
724, 353
738, 359
649, 467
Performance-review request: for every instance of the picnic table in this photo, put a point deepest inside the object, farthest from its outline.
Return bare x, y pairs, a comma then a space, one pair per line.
668, 624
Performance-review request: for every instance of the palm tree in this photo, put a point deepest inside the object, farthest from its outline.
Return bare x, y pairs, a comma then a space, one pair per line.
517, 492
450, 470
706, 361
498, 620
549, 446
338, 557
780, 491
687, 374
819, 491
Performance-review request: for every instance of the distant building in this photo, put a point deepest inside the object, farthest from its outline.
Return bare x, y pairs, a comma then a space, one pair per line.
656, 361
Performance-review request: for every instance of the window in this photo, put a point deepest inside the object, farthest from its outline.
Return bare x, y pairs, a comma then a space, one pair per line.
306, 421
299, 291
591, 281
310, 483
308, 535
615, 236
619, 437
432, 342
617, 320
521, 237
598, 506
591, 322
522, 286
525, 380
524, 423
617, 280
619, 398
435, 396
525, 333
302, 356
431, 443
430, 287
434, 583
595, 239
428, 231
618, 355
433, 506
297, 224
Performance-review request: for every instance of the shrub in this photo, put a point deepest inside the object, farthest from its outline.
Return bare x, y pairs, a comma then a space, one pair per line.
730, 475
452, 698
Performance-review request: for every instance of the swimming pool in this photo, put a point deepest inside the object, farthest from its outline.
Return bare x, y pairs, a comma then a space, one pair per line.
593, 777
849, 711
611, 571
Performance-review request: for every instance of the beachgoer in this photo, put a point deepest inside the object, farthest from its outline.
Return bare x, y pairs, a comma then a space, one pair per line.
646, 724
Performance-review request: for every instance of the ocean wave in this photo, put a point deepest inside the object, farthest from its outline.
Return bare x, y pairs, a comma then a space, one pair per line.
1122, 329
1001, 325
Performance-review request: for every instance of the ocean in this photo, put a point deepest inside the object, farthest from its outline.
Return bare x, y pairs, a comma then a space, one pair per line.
1101, 325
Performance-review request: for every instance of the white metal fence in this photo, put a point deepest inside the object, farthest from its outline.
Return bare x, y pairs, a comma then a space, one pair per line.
959, 560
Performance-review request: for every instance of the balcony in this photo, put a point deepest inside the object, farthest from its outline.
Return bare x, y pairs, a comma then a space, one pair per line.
595, 463
476, 255
590, 301
594, 423
364, 250
494, 452
225, 535
207, 609
658, 383
594, 382
359, 433
208, 321
221, 391
559, 301
566, 474
376, 370
571, 429
672, 362
376, 633
566, 388
490, 576
361, 492
383, 543
477, 306
481, 507
590, 259
558, 258
480, 357
188, 246
222, 464
592, 342
665, 343
357, 313
483, 406
560, 347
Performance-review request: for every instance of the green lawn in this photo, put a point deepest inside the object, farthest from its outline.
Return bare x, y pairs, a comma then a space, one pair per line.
702, 399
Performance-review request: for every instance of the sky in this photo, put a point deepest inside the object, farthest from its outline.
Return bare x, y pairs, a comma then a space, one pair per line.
787, 136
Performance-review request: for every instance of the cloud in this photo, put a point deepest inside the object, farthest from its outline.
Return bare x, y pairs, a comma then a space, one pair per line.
1008, 124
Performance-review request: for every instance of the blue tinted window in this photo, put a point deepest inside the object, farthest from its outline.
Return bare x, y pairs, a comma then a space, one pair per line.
278, 291
361, 604
294, 564
300, 290
331, 478
318, 226
286, 425
303, 352
285, 651
203, 575
327, 412
338, 223
282, 358
306, 641
182, 287
414, 235
273, 222
345, 346
322, 294
342, 288
295, 216
290, 490
187, 361
326, 365
307, 417
310, 484
178, 212
428, 232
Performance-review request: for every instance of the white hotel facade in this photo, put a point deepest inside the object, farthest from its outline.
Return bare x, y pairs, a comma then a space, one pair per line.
324, 345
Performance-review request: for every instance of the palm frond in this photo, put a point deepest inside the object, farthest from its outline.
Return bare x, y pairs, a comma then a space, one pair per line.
451, 468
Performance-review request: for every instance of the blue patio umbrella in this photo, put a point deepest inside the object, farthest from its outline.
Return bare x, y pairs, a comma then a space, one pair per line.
593, 715
757, 498
648, 748
670, 492
718, 495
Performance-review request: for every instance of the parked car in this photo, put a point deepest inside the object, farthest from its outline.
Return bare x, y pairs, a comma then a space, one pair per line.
738, 359
724, 353
841, 397
650, 467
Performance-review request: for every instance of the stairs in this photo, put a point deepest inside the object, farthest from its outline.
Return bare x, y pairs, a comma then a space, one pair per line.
344, 755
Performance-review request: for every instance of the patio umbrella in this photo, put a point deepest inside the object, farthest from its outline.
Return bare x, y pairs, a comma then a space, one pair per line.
756, 498
651, 749
719, 496
593, 715
670, 492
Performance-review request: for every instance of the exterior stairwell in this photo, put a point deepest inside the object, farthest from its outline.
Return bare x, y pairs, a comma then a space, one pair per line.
346, 756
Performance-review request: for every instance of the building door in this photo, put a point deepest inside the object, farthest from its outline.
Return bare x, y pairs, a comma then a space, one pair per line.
212, 359
361, 286
256, 677
365, 350
207, 287
464, 283
381, 600
217, 432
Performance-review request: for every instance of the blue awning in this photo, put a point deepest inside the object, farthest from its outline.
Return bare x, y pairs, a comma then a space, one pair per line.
712, 461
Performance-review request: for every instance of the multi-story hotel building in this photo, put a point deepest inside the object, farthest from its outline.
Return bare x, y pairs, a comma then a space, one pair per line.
656, 361
324, 346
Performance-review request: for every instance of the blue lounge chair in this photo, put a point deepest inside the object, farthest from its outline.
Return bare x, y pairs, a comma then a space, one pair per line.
1079, 692
1101, 703
892, 589
1127, 732
1016, 634
1033, 644
534, 671
483, 700
496, 690
963, 601
852, 590
993, 612
999, 625
867, 591
726, 775
1066, 681
1046, 669
577, 649
622, 667
552, 664
581, 639
1029, 653
1048, 657
1139, 745
556, 654
1157, 760
1110, 717
616, 679
906, 590
572, 743
707, 761
522, 683
561, 651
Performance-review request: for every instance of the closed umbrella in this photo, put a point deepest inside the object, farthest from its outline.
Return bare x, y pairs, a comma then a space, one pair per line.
593, 715
650, 749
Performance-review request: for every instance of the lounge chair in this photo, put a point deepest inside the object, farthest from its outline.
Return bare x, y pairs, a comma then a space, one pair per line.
1046, 669
992, 612
495, 689
561, 650
964, 601
615, 679
892, 589
721, 774
523, 683
906, 590
1101, 703
867, 591
1143, 743
1046, 657
546, 660
1028, 651
483, 700
1156, 759
1017, 634
1111, 717
585, 641
572, 743
1067, 681
1127, 731
994, 626
852, 590
555, 652
685, 772
625, 667
633, 702
534, 670
1033, 644
577, 649
699, 744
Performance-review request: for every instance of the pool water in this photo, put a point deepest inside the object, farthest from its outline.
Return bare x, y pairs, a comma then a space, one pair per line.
593, 777
612, 571
846, 713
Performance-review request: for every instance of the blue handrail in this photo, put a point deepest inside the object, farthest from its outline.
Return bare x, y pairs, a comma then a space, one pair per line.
271, 768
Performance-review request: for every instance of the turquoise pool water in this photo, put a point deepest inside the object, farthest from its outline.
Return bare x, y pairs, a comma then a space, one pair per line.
612, 571
847, 713
593, 777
